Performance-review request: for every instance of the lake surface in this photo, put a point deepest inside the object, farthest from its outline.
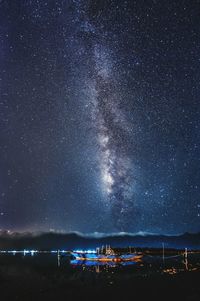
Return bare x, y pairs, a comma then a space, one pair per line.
147, 263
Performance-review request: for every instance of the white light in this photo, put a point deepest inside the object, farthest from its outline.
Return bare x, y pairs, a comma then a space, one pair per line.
108, 178
85, 251
103, 140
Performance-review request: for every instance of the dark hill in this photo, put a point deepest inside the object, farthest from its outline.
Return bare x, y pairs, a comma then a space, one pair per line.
53, 240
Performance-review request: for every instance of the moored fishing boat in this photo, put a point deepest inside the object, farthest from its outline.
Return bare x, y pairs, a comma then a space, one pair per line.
108, 256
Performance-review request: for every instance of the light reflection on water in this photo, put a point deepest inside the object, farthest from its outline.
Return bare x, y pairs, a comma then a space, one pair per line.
148, 265
100, 263
170, 264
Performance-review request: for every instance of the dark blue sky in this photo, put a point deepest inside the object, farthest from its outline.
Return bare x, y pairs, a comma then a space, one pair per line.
100, 115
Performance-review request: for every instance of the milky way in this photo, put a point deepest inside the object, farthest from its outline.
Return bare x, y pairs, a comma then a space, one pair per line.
99, 115
112, 132
112, 136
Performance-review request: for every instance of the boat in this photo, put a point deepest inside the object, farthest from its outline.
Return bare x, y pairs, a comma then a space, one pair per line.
108, 256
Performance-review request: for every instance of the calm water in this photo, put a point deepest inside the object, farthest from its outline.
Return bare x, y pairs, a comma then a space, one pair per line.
148, 264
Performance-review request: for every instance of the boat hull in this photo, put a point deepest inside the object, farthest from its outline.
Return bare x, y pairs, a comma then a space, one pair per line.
106, 258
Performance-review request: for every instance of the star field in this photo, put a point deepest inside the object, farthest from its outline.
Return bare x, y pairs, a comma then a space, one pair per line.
100, 115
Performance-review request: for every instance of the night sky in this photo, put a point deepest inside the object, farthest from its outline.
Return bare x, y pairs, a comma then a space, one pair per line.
100, 115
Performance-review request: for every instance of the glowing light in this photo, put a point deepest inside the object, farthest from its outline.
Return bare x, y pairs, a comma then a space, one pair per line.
85, 251
33, 252
103, 140
108, 178
26, 252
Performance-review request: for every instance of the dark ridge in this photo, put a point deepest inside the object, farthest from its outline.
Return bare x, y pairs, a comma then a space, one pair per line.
69, 241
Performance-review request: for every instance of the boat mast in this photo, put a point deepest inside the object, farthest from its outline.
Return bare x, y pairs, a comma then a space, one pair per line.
163, 252
186, 258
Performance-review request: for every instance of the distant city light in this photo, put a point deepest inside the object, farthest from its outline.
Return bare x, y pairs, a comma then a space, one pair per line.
85, 251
